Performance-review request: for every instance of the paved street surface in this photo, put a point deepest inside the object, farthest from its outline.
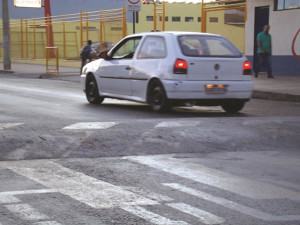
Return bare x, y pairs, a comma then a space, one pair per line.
64, 161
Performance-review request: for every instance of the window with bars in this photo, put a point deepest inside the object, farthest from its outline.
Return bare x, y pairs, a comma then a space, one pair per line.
189, 19
287, 4
176, 19
149, 18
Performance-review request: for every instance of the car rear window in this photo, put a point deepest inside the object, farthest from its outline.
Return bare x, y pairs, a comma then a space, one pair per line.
207, 46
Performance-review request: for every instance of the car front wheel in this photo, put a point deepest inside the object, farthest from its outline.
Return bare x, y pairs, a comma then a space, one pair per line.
233, 106
157, 97
92, 93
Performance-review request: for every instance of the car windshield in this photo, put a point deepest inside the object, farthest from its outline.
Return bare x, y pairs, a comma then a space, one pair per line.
207, 46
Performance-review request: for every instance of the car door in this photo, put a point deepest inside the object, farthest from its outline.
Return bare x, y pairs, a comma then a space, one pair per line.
115, 71
150, 61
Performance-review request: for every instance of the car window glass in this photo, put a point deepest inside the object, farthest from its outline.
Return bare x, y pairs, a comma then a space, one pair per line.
126, 49
207, 46
153, 48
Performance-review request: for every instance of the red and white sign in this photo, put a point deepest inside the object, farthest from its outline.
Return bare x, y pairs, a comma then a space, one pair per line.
133, 5
28, 3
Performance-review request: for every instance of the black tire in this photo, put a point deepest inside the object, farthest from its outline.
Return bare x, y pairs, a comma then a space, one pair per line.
233, 106
157, 97
92, 93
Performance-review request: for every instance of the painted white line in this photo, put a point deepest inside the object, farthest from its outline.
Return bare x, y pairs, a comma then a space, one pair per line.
47, 223
177, 124
91, 125
8, 199
95, 193
150, 216
9, 125
233, 205
26, 212
148, 194
204, 217
226, 181
27, 192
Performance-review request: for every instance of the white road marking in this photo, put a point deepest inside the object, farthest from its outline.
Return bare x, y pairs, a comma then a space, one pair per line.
204, 217
26, 192
233, 205
177, 124
148, 194
47, 223
42, 91
91, 191
226, 181
8, 196
150, 216
9, 125
8, 199
91, 125
26, 212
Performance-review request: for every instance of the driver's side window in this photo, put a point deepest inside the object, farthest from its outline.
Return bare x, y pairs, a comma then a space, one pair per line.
126, 49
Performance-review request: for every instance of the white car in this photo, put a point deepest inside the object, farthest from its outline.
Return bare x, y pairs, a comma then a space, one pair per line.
167, 69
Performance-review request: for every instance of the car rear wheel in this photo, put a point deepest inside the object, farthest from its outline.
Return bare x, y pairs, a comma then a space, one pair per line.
233, 106
157, 97
92, 93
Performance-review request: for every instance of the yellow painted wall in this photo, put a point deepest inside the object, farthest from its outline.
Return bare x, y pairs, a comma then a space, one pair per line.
234, 33
111, 32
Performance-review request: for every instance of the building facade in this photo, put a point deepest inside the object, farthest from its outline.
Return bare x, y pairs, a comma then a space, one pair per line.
284, 18
187, 17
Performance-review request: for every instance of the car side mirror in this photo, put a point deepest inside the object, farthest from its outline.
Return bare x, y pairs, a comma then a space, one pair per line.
104, 55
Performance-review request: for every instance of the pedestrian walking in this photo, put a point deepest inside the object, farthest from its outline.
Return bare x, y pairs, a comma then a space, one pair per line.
264, 51
86, 54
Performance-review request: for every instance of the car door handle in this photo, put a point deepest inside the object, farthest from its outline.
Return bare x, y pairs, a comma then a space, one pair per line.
127, 68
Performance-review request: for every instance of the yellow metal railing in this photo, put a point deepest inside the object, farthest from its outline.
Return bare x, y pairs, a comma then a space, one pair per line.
50, 52
31, 36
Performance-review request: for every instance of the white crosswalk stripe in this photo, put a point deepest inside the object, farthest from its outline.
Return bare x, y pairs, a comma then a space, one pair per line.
9, 196
97, 194
9, 125
233, 205
150, 216
216, 178
149, 194
8, 199
47, 223
26, 212
204, 217
90, 126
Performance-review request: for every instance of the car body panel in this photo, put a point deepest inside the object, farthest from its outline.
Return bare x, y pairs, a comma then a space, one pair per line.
129, 78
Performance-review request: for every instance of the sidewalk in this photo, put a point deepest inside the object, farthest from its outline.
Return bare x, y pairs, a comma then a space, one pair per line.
282, 88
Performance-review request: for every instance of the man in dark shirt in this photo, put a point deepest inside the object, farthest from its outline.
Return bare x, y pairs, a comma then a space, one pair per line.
264, 51
86, 53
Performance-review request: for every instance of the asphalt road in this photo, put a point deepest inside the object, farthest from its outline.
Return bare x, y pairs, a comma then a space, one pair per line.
64, 161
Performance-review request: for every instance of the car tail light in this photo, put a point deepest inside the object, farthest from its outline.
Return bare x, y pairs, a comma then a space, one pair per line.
180, 67
247, 68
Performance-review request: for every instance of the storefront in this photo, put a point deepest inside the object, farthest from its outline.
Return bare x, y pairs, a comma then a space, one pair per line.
284, 18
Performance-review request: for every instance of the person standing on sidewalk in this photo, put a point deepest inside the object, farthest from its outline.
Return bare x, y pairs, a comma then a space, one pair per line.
86, 54
264, 50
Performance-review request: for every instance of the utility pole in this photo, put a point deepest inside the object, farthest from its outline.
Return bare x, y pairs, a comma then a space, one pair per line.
6, 39
47, 13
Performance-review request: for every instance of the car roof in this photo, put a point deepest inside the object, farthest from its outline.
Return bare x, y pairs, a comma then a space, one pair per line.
176, 33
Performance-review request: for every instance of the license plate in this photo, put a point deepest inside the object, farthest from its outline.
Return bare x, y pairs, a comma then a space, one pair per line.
216, 88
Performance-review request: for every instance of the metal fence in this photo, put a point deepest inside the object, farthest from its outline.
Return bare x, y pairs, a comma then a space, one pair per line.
30, 37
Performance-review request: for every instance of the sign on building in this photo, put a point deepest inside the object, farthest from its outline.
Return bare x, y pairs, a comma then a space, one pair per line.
133, 5
28, 3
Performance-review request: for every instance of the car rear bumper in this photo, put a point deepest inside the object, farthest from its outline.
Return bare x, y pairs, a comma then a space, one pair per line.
195, 90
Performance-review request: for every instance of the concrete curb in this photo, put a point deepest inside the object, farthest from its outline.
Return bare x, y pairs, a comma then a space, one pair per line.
6, 71
275, 96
